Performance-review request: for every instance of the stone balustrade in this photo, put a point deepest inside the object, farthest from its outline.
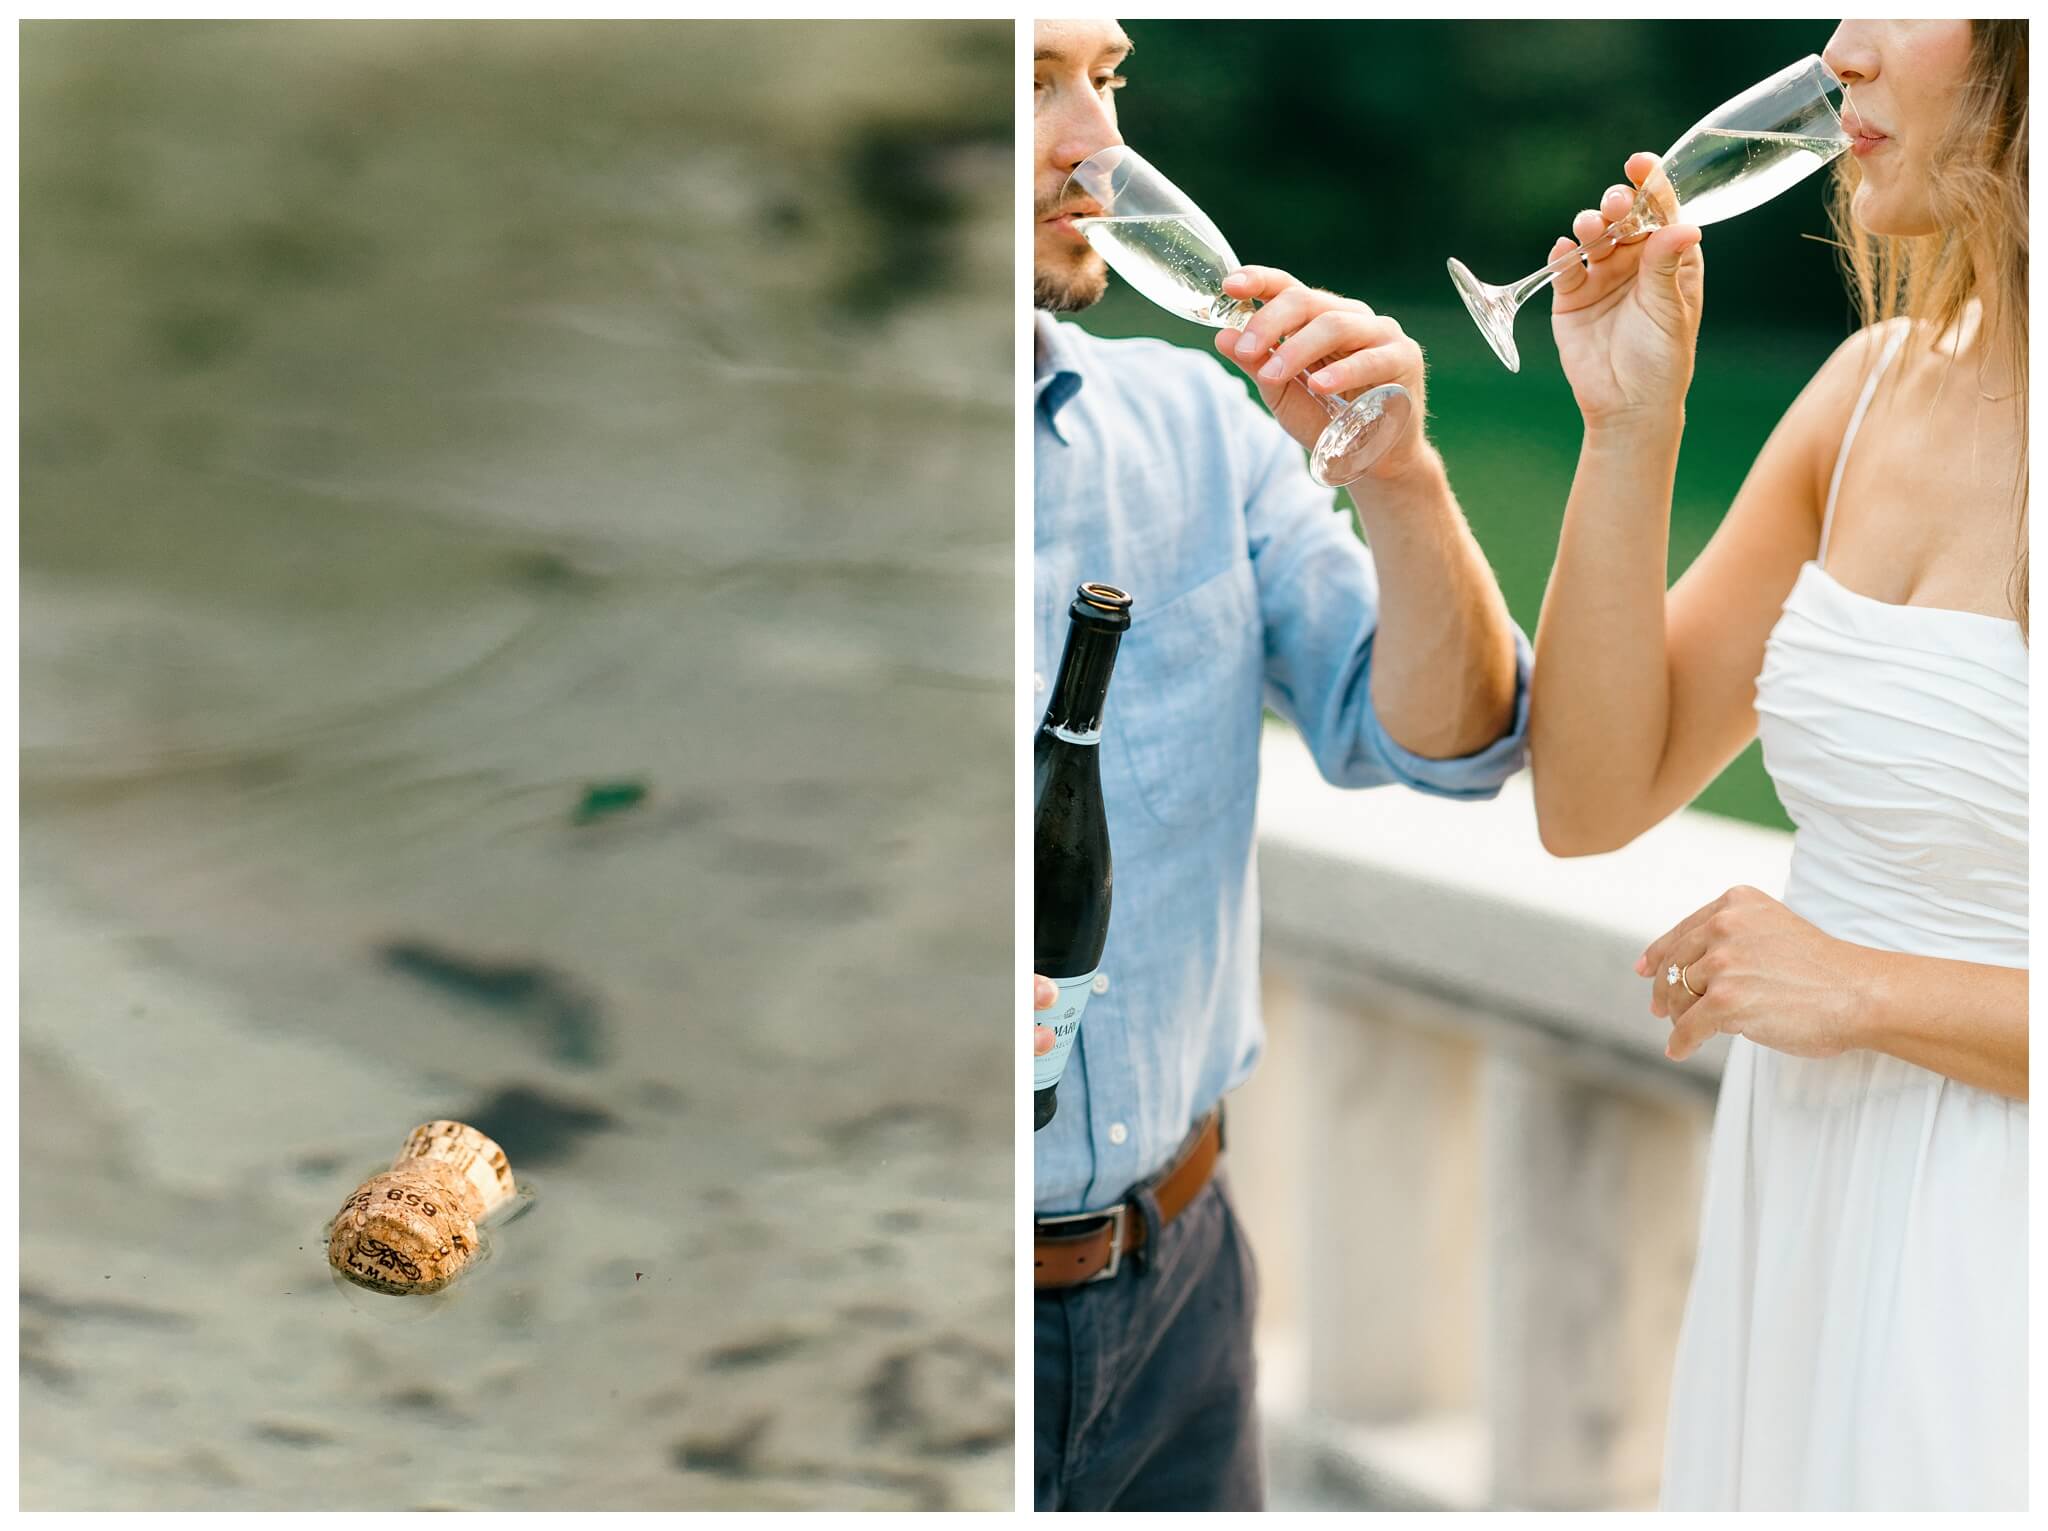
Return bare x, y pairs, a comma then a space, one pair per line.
1471, 1176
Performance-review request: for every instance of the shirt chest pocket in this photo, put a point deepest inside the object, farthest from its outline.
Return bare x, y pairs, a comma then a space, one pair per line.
1185, 701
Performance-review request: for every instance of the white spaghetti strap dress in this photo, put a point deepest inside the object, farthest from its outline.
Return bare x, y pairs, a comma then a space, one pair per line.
1856, 1332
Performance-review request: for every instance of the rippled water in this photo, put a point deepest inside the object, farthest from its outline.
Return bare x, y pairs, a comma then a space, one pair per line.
516, 547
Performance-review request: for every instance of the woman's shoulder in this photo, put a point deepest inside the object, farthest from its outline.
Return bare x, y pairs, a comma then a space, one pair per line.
1802, 450
1857, 357
1821, 413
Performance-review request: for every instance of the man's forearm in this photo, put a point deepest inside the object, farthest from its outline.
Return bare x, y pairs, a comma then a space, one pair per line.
1443, 664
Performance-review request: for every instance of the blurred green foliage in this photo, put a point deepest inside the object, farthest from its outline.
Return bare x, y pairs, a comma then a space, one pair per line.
1359, 155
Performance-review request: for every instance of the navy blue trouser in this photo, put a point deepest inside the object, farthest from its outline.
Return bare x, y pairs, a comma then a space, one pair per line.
1145, 1381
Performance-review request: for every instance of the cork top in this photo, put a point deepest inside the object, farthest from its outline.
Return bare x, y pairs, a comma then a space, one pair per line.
480, 1161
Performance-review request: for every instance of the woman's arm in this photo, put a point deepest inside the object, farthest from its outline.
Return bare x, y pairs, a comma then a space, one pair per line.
1640, 697
1965, 1020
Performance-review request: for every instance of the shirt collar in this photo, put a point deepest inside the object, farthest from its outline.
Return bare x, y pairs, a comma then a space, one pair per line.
1056, 377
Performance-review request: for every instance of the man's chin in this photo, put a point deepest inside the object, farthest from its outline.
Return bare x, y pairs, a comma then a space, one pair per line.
1069, 292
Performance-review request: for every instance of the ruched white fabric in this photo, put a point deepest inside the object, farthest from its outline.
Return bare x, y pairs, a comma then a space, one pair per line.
1856, 1332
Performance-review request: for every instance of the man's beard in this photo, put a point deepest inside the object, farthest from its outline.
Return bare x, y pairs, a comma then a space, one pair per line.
1070, 294
1083, 285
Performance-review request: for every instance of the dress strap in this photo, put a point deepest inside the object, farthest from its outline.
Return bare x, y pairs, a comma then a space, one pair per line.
1827, 520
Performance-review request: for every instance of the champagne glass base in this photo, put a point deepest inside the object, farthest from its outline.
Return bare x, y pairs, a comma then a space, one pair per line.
1491, 311
1356, 439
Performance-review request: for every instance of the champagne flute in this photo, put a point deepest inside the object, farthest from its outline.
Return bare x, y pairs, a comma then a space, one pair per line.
1739, 156
1156, 239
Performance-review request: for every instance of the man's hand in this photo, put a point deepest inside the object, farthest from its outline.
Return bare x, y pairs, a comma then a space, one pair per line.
1344, 346
1044, 995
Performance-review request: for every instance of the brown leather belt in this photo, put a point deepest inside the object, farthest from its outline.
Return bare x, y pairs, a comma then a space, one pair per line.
1090, 1246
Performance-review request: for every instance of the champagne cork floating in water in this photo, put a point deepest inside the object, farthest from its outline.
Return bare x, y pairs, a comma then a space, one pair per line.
413, 1229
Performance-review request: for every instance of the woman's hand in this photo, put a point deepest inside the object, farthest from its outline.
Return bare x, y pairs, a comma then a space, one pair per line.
1344, 347
1626, 323
1044, 995
1761, 972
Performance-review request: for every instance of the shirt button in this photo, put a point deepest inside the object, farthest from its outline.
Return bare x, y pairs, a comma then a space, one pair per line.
1037, 681
1118, 1132
1101, 984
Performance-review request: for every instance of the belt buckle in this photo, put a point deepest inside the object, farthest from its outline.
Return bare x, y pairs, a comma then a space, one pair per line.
1115, 1216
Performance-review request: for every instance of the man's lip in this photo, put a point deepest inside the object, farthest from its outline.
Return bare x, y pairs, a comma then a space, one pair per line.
1063, 223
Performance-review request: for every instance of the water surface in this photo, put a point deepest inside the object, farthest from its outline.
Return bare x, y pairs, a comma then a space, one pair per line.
516, 610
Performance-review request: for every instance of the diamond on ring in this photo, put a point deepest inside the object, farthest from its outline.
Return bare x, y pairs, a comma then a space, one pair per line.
1671, 975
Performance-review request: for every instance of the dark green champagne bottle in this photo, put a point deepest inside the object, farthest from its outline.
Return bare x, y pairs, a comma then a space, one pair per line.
1070, 831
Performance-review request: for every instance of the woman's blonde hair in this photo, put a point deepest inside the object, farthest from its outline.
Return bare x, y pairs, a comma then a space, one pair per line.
1979, 192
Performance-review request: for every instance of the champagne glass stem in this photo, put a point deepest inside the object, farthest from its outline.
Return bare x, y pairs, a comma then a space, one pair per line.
1637, 222
1334, 404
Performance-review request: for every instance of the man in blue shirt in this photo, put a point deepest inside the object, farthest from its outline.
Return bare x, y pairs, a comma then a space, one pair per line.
1156, 473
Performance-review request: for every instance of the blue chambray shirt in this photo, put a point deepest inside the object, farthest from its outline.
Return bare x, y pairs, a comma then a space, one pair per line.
1156, 472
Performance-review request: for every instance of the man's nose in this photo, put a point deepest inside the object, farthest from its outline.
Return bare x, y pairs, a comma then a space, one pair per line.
1088, 127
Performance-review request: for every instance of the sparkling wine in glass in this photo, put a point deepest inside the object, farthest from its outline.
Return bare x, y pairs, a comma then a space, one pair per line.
1739, 156
1156, 239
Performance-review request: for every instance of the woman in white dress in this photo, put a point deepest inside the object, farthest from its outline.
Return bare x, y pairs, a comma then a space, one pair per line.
1856, 1332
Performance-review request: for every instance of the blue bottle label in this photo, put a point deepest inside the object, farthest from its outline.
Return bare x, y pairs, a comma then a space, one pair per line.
1065, 1020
